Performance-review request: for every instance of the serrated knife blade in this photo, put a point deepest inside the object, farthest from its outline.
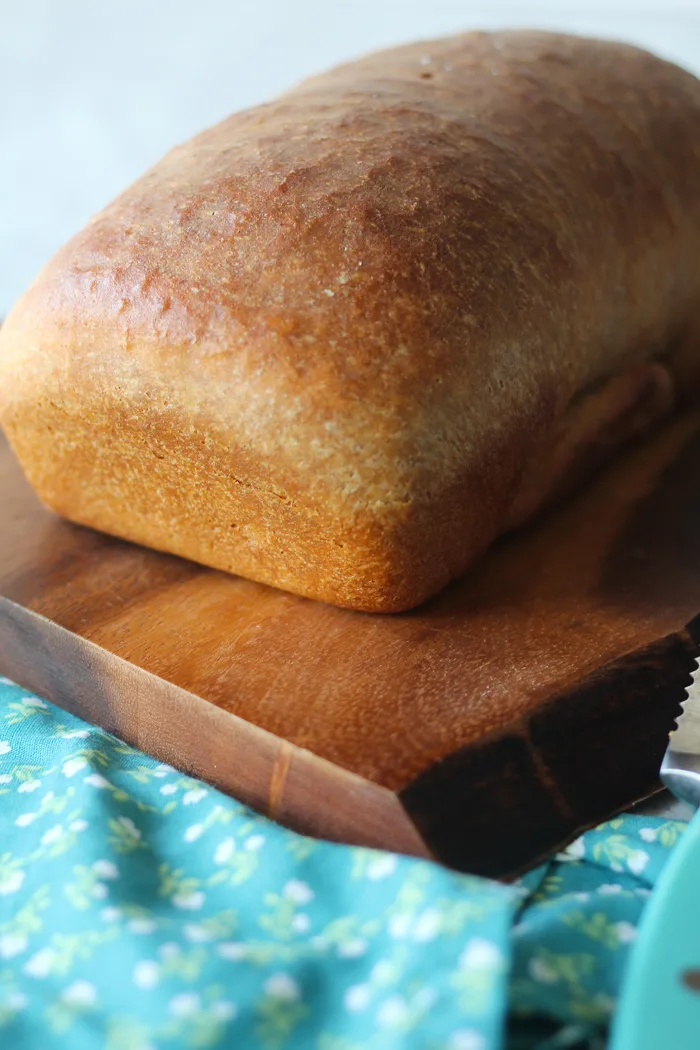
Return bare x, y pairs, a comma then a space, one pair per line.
680, 769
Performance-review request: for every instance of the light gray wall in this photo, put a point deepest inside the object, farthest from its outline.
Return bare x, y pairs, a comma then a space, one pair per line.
93, 92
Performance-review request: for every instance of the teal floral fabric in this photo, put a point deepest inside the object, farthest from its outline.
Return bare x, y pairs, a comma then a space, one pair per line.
140, 909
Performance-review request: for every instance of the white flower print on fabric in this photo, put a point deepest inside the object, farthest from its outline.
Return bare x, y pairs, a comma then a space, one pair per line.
427, 925
357, 997
282, 986
223, 1010
97, 780
52, 835
73, 766
40, 964
80, 993
383, 866
224, 851
11, 882
637, 861
111, 914
16, 1001
146, 973
169, 950
189, 901
481, 954
191, 798
297, 891
393, 1012
12, 944
232, 950
352, 949
194, 832
197, 934
467, 1039
626, 932
142, 926
106, 869
383, 972
399, 925
185, 1004
576, 849
178, 916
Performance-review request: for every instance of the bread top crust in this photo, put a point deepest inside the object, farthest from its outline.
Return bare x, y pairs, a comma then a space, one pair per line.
392, 280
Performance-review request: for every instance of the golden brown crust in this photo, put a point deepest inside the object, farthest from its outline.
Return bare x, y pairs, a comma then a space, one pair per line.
329, 343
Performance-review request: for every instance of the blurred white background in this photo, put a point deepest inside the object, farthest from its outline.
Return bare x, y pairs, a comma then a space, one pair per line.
92, 93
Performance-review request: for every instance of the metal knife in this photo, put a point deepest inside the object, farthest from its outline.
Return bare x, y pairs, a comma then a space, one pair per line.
659, 1008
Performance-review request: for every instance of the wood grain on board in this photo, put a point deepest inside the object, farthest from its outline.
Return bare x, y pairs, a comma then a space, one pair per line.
530, 699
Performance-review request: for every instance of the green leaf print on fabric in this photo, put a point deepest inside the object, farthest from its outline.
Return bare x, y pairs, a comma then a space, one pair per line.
143, 910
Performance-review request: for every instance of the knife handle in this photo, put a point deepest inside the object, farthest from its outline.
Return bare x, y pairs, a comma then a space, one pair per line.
659, 1007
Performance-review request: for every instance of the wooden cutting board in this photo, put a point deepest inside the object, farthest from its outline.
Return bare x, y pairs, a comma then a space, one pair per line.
529, 700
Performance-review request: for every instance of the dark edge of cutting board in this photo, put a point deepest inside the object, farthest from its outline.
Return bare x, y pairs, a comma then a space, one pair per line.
582, 755
490, 809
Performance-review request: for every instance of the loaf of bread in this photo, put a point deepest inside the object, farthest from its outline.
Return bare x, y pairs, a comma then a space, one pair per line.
340, 342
